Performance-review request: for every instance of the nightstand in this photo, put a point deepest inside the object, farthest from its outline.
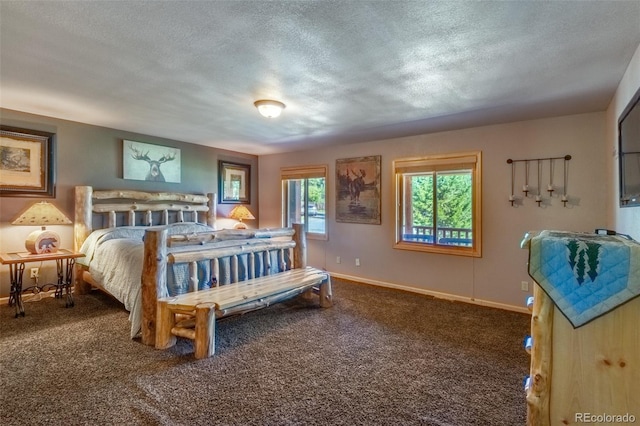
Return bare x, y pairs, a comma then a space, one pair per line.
65, 259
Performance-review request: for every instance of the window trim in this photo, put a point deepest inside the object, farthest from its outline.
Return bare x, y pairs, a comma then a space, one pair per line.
440, 162
304, 172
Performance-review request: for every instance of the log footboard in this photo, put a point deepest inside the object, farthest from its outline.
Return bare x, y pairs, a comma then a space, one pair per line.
205, 306
246, 270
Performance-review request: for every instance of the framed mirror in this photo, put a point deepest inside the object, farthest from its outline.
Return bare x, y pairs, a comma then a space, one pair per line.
629, 153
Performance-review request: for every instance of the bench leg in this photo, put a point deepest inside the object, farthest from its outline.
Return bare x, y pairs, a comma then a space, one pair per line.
308, 295
205, 341
165, 321
326, 295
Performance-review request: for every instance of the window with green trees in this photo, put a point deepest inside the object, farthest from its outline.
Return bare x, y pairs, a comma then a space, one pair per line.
439, 203
304, 198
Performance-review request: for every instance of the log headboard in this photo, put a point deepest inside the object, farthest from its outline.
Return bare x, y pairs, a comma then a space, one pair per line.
111, 208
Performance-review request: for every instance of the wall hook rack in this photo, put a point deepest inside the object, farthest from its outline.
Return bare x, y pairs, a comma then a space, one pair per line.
525, 187
512, 197
550, 187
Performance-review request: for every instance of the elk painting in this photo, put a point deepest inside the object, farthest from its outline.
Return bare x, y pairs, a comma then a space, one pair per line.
152, 163
358, 190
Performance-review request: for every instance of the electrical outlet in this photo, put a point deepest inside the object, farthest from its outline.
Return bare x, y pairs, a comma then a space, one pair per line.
357, 261
338, 260
524, 285
35, 272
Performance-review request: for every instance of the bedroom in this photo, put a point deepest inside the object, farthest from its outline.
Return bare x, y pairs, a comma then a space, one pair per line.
92, 155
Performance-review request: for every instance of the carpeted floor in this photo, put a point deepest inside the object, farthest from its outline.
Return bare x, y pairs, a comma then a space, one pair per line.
378, 357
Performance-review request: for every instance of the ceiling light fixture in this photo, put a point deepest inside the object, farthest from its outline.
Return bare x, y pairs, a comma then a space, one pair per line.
269, 108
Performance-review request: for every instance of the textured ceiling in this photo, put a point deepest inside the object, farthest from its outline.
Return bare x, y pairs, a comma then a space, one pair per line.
348, 71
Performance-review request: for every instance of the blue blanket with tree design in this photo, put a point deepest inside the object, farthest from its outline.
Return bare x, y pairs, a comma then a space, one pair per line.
586, 275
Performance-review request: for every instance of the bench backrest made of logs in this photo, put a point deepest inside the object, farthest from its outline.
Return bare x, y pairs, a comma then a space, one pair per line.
247, 250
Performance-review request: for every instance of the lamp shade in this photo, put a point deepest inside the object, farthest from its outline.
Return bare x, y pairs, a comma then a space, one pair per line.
42, 214
240, 213
268, 108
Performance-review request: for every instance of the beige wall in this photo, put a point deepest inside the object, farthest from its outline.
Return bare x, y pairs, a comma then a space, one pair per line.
625, 220
496, 277
91, 155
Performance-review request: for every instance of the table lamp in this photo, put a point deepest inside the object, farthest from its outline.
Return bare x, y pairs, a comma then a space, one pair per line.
239, 213
41, 214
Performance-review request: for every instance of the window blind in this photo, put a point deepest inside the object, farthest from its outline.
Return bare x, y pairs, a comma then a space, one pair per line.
305, 172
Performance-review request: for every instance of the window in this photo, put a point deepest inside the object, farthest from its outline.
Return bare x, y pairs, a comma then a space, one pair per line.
304, 198
439, 203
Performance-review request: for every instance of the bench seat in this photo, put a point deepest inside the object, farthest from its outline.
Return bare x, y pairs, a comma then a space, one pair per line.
199, 310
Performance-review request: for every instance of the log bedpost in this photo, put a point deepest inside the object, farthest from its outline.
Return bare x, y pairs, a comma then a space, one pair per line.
211, 213
300, 250
154, 280
300, 261
539, 392
82, 227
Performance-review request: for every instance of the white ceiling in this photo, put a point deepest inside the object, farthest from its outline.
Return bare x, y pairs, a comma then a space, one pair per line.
348, 71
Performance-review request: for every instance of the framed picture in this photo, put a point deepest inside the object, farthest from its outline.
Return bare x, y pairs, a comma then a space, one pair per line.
27, 163
235, 182
358, 190
155, 163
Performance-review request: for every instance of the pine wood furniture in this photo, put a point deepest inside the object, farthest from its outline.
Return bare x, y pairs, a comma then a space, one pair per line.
254, 269
268, 262
65, 261
98, 209
202, 308
593, 370
589, 374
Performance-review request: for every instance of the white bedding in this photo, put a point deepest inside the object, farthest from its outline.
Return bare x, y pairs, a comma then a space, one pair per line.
114, 258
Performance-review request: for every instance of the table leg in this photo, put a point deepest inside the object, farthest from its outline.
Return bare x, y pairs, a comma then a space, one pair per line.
65, 277
15, 296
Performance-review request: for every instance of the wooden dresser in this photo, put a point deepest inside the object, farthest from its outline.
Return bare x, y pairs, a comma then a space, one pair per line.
593, 370
584, 375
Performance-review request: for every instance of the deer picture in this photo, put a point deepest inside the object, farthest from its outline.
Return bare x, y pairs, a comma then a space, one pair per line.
356, 186
154, 173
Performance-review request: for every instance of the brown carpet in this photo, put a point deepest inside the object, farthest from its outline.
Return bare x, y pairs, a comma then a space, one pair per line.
378, 357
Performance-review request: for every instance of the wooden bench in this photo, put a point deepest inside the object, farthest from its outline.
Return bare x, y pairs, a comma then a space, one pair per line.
227, 272
199, 310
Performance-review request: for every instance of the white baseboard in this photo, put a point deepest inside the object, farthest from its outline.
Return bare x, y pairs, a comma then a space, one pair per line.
436, 294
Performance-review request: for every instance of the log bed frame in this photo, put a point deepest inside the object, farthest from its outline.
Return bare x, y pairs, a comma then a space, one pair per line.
249, 256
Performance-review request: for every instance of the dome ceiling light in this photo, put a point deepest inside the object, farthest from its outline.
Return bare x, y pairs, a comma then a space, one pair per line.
269, 108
